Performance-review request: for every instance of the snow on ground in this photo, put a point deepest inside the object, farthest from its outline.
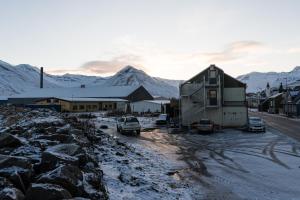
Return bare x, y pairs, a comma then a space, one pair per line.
134, 172
228, 165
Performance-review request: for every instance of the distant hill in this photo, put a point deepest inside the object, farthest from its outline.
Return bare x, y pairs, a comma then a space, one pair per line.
258, 80
21, 78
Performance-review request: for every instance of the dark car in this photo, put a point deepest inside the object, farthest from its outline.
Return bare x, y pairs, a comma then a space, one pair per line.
162, 119
205, 125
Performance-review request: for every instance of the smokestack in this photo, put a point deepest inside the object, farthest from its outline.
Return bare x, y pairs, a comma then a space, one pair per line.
42, 78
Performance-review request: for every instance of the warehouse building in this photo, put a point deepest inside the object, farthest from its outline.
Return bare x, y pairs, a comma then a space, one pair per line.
129, 93
150, 106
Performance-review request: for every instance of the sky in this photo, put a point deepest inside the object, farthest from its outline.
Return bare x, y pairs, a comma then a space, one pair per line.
172, 39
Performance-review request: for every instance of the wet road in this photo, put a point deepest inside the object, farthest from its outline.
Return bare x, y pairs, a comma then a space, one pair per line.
231, 164
288, 126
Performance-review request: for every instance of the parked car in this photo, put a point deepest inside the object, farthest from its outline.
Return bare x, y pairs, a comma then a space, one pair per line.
128, 124
162, 119
256, 124
205, 125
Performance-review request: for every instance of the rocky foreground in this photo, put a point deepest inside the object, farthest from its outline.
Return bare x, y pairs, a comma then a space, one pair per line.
47, 155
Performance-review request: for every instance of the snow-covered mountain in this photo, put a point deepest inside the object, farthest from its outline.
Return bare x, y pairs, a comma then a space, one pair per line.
257, 81
21, 78
132, 76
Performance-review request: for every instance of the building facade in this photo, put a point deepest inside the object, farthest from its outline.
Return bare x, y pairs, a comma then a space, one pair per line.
85, 104
213, 95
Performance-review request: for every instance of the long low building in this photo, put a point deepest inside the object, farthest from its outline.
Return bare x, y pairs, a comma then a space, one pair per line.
130, 93
83, 104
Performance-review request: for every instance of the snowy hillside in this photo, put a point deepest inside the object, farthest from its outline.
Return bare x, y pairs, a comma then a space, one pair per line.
132, 76
22, 78
257, 80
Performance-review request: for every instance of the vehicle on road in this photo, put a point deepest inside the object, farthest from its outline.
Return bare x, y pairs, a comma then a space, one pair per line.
128, 124
205, 125
256, 124
162, 119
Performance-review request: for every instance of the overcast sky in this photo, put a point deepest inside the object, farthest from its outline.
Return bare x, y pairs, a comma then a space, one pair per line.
170, 39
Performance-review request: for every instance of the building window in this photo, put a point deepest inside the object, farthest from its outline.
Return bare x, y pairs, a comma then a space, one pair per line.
75, 107
212, 97
48, 100
81, 107
55, 100
88, 106
212, 77
94, 106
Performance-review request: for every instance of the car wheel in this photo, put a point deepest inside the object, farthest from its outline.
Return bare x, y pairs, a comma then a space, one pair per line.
138, 132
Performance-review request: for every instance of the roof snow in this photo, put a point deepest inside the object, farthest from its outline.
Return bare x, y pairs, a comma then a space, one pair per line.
87, 92
93, 99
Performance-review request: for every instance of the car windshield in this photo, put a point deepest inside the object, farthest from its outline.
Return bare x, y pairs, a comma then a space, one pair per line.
255, 120
121, 120
162, 117
132, 119
204, 121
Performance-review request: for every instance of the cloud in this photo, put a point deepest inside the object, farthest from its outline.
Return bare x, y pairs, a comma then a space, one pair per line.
112, 65
294, 50
232, 52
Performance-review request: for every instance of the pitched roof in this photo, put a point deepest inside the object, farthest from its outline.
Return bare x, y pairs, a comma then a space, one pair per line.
89, 92
93, 99
226, 76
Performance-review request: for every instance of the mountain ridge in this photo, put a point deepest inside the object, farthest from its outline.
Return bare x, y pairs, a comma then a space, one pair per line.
16, 79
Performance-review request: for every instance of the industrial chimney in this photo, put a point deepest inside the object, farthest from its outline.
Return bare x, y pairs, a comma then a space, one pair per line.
42, 78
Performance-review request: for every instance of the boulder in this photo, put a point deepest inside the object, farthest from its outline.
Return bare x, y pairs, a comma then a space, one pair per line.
8, 140
9, 161
64, 130
11, 193
39, 191
127, 178
60, 154
56, 137
17, 169
68, 176
93, 186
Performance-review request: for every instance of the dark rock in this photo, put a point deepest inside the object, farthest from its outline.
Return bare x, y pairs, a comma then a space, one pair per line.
69, 177
127, 178
93, 186
17, 169
8, 140
57, 137
9, 161
75, 131
42, 143
11, 193
118, 153
60, 154
104, 127
64, 130
17, 130
47, 192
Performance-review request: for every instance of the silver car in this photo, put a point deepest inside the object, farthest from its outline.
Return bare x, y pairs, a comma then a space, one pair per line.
128, 124
256, 124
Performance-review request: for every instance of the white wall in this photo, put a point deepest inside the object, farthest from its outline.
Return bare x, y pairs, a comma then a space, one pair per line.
145, 106
234, 94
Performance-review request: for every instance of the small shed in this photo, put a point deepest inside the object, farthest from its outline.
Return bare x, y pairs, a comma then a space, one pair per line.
150, 106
